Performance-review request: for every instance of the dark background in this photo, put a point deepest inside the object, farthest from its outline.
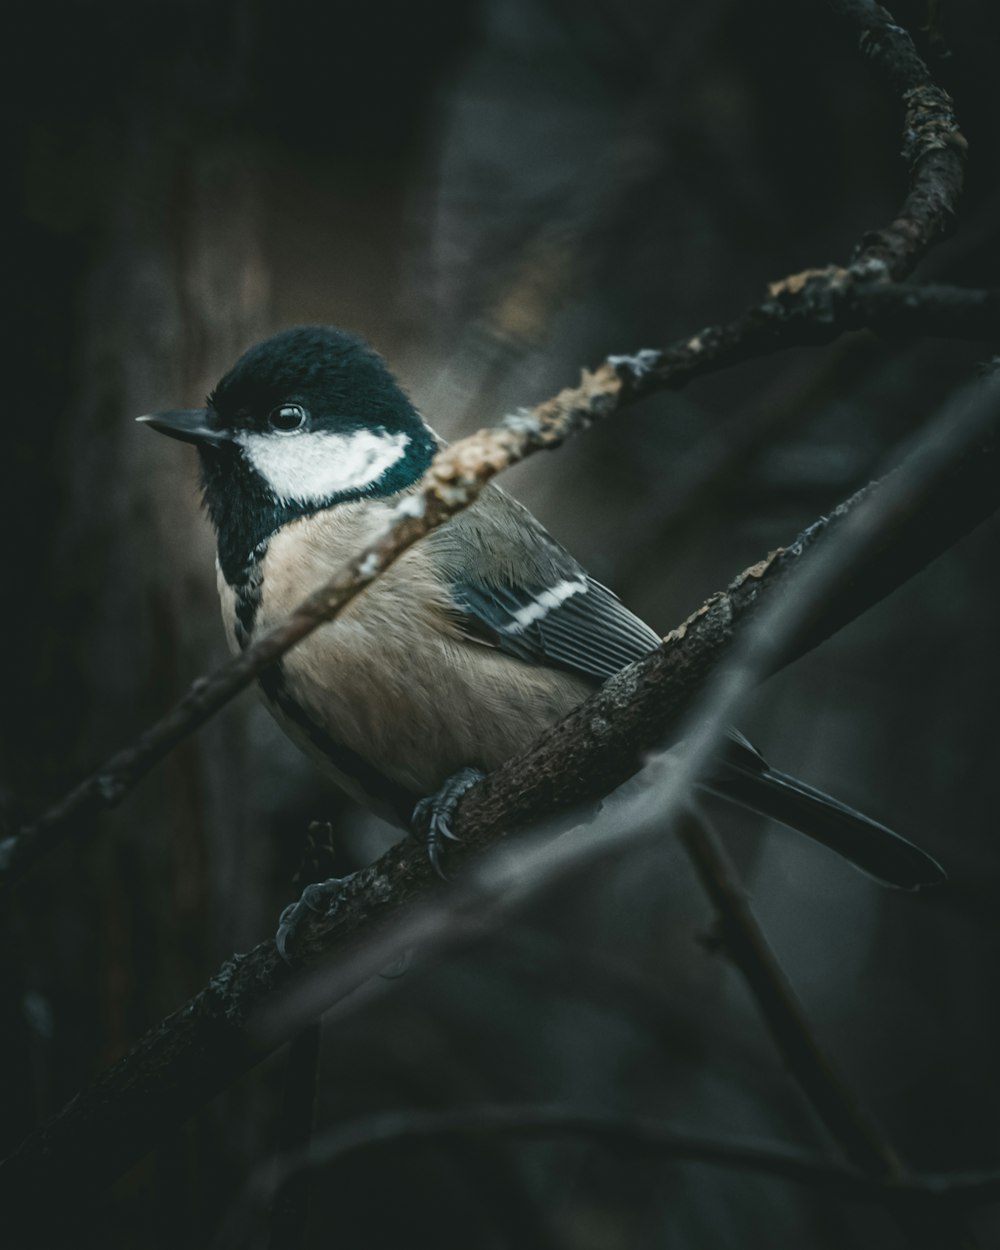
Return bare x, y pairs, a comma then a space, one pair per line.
495, 194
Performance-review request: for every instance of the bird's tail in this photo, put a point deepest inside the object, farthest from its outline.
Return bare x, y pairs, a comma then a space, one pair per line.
865, 843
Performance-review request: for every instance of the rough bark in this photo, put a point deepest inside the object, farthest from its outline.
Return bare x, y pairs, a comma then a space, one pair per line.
208, 1043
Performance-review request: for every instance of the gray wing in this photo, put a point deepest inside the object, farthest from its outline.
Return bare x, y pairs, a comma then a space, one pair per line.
513, 587
575, 623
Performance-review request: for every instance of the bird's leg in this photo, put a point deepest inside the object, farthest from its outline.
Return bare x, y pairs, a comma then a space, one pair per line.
430, 825
316, 899
319, 854
431, 820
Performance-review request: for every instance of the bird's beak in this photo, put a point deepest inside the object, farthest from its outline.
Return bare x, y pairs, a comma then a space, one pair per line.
190, 425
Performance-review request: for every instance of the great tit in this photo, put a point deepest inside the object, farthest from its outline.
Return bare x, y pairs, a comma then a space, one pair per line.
470, 645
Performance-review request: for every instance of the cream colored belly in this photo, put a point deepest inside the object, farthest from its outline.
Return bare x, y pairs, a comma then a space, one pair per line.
392, 678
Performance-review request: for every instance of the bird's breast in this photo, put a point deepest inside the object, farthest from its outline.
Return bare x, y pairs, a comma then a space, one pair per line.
392, 678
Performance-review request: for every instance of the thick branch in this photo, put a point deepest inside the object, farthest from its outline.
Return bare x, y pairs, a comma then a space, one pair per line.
202, 1048
807, 308
811, 307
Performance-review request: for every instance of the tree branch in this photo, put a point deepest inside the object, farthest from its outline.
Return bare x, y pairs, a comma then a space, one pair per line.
811, 307
630, 1135
825, 1087
807, 308
193, 1054
200, 1049
820, 1079
933, 146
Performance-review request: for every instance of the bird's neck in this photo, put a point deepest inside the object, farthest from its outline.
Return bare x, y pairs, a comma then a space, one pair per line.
246, 512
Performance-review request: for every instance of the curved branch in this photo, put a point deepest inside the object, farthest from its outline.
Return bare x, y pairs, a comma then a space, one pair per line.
933, 145
208, 1043
629, 1135
203, 1047
812, 307
815, 306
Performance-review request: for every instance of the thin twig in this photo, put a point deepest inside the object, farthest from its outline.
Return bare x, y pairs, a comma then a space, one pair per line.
825, 1087
633, 1136
205, 1045
814, 306
817, 308
933, 146
200, 1049
629, 1137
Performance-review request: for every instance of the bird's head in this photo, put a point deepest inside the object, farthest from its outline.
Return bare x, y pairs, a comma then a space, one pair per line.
305, 420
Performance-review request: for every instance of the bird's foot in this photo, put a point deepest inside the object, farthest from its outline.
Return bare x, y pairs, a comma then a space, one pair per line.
431, 822
320, 898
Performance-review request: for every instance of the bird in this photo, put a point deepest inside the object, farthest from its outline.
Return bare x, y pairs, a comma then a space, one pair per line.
466, 648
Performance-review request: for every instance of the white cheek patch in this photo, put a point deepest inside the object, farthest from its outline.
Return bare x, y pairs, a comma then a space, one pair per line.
318, 465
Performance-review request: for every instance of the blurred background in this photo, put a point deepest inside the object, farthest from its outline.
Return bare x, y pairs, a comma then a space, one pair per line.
495, 193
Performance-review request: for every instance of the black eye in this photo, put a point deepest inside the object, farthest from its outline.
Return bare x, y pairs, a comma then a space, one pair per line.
287, 417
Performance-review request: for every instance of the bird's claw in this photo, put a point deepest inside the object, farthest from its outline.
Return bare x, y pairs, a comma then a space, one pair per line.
431, 823
316, 899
